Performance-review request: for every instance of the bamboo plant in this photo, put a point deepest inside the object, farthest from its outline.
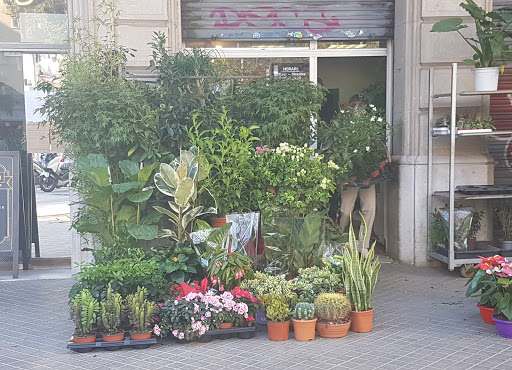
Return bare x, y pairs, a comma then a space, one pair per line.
360, 271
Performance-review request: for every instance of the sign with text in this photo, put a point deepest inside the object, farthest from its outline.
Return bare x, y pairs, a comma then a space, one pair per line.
291, 70
9, 202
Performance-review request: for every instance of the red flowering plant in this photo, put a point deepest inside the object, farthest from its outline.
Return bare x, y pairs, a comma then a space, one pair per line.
492, 282
227, 269
253, 304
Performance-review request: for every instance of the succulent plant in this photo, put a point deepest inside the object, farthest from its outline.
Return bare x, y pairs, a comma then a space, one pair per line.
112, 312
304, 311
140, 311
332, 307
277, 307
314, 280
84, 310
263, 284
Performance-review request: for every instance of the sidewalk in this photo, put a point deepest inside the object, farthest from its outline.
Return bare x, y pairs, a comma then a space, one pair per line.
422, 321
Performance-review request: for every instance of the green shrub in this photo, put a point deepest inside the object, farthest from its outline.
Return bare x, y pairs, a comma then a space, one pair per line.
267, 284
313, 281
277, 307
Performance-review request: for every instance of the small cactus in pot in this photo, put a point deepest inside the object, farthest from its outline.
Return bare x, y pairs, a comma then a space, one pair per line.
84, 311
112, 315
304, 321
332, 310
141, 313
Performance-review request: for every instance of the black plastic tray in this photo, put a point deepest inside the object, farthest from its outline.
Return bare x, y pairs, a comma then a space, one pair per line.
111, 346
242, 333
484, 189
483, 250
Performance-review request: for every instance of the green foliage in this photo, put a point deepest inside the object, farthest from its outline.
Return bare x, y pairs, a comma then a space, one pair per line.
438, 230
180, 262
116, 212
37, 6
281, 108
112, 313
228, 150
277, 307
304, 311
227, 269
313, 281
504, 214
491, 31
124, 276
293, 180
355, 138
332, 308
482, 285
180, 181
141, 312
115, 252
185, 81
476, 224
263, 284
295, 243
334, 264
465, 122
84, 311
360, 272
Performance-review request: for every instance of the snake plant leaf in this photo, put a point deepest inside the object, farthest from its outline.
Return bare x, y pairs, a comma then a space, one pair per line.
169, 175
163, 186
125, 186
129, 168
184, 191
172, 216
448, 25
140, 197
142, 232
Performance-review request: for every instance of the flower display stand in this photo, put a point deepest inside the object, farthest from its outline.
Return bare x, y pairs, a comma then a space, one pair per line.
111, 346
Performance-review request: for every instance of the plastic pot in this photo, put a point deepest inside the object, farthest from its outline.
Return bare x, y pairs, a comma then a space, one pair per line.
486, 79
226, 325
140, 336
362, 321
486, 314
113, 338
504, 327
304, 329
85, 339
332, 330
279, 330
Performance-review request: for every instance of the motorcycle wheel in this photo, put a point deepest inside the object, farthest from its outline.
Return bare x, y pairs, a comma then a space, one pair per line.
47, 184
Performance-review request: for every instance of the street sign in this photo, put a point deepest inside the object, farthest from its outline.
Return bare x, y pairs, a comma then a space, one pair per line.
9, 206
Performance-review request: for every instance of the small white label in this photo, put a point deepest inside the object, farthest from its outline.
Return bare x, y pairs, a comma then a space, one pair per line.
12, 54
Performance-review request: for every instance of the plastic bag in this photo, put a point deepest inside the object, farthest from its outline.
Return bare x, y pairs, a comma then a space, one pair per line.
462, 224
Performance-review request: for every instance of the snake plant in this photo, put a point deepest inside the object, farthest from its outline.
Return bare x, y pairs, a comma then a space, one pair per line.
84, 310
360, 271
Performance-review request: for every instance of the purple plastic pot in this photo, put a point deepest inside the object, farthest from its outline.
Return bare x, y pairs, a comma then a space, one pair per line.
504, 327
261, 317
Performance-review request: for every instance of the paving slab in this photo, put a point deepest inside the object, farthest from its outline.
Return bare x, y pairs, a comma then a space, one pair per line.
422, 321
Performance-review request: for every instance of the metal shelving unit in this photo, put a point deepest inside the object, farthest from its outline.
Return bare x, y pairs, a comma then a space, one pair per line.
451, 195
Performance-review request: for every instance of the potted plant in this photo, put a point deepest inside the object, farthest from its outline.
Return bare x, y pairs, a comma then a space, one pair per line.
313, 281
227, 148
360, 274
476, 225
304, 321
504, 213
227, 269
111, 314
482, 284
490, 44
333, 313
278, 313
84, 311
141, 314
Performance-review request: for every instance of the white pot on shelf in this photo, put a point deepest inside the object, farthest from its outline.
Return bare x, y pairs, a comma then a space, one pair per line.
486, 79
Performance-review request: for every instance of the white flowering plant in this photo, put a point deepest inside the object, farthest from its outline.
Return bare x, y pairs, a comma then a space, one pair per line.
294, 180
356, 138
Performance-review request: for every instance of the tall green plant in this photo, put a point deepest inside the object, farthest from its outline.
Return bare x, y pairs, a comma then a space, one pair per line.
141, 312
180, 180
116, 212
112, 312
360, 271
228, 149
491, 31
281, 108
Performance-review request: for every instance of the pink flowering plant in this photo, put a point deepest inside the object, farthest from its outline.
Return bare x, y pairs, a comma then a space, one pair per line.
253, 304
226, 270
492, 282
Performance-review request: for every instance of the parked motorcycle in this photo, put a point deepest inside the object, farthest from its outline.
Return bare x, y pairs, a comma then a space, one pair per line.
55, 172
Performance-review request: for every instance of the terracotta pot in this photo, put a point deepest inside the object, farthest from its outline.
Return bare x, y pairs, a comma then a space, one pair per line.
218, 221
140, 336
383, 163
344, 183
279, 330
366, 182
113, 338
486, 314
226, 325
84, 339
375, 173
362, 321
304, 329
353, 178
332, 330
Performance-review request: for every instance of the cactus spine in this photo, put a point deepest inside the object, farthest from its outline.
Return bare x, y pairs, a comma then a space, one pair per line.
332, 307
304, 311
